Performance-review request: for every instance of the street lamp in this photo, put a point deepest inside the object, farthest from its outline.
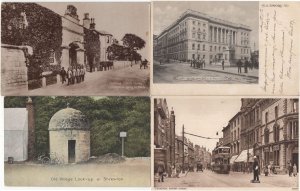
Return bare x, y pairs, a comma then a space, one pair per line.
123, 135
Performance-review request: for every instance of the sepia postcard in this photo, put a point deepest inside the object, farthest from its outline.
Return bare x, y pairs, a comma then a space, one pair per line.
225, 142
77, 141
225, 48
75, 48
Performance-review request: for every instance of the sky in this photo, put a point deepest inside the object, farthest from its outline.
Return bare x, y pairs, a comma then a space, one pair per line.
115, 18
203, 116
246, 12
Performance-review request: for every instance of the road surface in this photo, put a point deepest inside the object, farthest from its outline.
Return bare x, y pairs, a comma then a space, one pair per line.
234, 179
182, 73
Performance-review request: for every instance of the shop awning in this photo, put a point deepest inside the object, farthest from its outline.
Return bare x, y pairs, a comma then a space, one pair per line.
232, 159
243, 156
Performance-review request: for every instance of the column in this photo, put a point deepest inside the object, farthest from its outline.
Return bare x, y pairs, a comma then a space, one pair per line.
235, 37
80, 56
217, 34
65, 57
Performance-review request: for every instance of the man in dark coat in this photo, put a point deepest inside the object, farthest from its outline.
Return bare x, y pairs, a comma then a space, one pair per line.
239, 65
222, 64
255, 170
246, 66
63, 74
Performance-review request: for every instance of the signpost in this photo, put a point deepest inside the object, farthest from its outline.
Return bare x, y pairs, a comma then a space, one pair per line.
123, 135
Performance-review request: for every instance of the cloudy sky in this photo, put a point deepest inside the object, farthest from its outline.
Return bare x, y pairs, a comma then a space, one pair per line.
165, 13
203, 116
115, 18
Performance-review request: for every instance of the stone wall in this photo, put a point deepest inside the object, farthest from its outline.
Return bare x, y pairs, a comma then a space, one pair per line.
13, 70
59, 144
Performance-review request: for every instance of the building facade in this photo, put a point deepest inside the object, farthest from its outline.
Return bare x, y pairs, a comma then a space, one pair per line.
195, 35
280, 131
268, 130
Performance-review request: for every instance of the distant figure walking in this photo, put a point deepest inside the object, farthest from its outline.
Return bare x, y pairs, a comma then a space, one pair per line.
222, 64
239, 65
63, 74
255, 170
290, 169
69, 76
295, 170
246, 66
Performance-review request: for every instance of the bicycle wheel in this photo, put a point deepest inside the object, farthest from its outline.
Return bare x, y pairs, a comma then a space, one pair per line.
46, 160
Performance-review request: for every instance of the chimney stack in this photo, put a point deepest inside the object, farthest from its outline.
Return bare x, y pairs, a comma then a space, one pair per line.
31, 129
92, 25
86, 20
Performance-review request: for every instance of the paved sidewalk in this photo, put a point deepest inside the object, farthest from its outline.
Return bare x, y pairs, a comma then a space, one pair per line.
232, 70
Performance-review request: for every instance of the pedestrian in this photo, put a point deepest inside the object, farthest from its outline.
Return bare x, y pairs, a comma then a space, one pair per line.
69, 76
222, 64
255, 170
178, 169
161, 171
74, 75
295, 170
63, 74
269, 169
246, 66
83, 73
266, 171
77, 75
239, 65
290, 168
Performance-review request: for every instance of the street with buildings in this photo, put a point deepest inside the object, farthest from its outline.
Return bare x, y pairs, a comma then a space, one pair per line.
35, 57
215, 42
262, 132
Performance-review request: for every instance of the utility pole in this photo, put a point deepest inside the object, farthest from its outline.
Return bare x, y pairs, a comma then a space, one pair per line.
182, 148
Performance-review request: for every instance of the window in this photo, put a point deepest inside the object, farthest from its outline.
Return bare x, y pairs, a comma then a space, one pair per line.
210, 48
193, 46
193, 56
276, 112
276, 129
204, 36
215, 48
199, 36
203, 47
266, 135
293, 130
203, 56
194, 22
276, 157
266, 118
295, 105
219, 48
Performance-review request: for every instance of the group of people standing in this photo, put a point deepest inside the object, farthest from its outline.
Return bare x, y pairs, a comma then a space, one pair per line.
198, 63
75, 74
246, 63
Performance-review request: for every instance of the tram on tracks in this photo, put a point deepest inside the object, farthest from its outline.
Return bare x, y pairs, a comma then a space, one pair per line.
221, 160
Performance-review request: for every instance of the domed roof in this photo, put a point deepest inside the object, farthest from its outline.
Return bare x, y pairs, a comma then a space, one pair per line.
68, 119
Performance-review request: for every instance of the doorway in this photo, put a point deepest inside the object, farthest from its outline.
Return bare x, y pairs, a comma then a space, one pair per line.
71, 151
295, 160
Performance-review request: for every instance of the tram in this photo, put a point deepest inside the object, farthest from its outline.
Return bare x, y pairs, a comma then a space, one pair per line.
221, 160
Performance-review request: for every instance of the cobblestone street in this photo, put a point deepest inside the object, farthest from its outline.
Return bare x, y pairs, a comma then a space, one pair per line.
233, 179
182, 73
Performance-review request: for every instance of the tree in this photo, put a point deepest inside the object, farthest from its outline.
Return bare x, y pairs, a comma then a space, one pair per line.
133, 42
107, 117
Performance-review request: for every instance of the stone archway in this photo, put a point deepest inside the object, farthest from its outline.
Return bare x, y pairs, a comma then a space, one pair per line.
73, 54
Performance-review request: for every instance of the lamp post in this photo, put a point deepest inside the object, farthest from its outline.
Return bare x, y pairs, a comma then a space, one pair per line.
123, 135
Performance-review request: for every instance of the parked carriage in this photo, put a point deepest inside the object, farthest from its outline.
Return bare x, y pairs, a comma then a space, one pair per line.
220, 158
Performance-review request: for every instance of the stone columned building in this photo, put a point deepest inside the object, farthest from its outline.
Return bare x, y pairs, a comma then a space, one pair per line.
69, 136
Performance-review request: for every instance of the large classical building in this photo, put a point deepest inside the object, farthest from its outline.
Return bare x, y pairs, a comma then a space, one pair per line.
195, 35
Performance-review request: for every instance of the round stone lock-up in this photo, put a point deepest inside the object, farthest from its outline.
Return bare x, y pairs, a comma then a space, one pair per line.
69, 136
